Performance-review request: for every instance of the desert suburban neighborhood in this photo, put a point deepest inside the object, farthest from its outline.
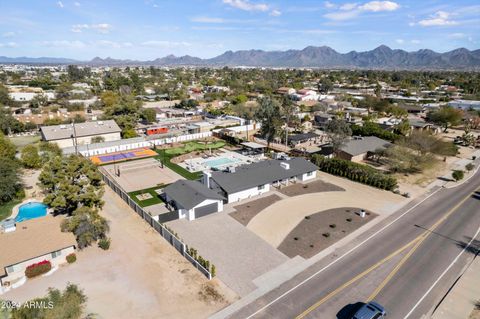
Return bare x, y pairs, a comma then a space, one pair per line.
277, 183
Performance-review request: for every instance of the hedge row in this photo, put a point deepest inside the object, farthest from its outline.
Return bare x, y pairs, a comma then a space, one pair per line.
373, 129
38, 269
355, 172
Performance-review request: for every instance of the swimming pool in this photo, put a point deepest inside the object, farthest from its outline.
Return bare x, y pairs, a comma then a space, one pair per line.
31, 210
222, 161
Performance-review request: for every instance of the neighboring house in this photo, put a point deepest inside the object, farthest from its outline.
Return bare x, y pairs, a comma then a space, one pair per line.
28, 96
69, 135
358, 148
421, 125
465, 104
254, 179
192, 199
285, 91
32, 241
302, 138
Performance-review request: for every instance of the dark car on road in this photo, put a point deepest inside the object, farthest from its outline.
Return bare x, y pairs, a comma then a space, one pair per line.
371, 310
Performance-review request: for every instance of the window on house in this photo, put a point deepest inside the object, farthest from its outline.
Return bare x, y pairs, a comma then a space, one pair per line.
10, 269
56, 253
309, 173
261, 187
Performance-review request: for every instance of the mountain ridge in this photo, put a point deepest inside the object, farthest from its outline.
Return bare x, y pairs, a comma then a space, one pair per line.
382, 57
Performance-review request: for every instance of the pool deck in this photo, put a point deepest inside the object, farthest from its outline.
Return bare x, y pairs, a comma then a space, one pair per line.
198, 164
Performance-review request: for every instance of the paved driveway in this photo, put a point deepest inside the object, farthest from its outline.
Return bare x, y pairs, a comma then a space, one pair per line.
239, 255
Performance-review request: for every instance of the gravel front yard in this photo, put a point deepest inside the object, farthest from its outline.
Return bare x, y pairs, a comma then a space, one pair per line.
245, 212
317, 186
320, 230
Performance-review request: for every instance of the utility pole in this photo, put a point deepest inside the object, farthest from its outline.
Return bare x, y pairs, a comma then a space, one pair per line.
74, 136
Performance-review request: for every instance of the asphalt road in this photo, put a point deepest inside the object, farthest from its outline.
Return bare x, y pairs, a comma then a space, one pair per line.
397, 263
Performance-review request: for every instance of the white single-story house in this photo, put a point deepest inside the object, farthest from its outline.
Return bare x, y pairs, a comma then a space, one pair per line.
31, 242
192, 199
254, 179
68, 135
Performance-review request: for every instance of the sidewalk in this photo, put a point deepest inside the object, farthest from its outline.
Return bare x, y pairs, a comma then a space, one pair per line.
460, 302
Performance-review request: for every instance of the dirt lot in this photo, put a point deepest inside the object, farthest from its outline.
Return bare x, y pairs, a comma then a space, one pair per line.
320, 230
475, 314
245, 212
317, 186
141, 276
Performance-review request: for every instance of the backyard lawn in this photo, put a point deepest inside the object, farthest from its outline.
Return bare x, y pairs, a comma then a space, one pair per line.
6, 209
165, 156
194, 146
153, 199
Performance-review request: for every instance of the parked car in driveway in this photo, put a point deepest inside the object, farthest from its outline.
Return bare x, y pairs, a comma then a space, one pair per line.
371, 310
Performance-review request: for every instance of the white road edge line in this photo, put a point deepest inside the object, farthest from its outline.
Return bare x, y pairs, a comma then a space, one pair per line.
343, 256
443, 274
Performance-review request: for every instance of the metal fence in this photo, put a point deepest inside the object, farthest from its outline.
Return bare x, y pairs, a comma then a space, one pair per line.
162, 230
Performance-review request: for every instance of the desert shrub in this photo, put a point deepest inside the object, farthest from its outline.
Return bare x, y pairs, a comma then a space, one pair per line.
332, 226
38, 269
104, 243
457, 175
470, 166
326, 235
71, 258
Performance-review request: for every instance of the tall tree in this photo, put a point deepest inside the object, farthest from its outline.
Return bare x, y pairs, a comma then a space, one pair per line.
269, 115
446, 117
7, 148
71, 182
11, 183
30, 157
338, 132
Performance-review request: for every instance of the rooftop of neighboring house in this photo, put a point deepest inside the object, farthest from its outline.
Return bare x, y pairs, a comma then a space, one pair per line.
190, 193
362, 145
59, 132
260, 173
31, 239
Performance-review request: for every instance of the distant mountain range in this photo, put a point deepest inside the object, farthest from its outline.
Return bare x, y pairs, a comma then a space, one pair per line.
311, 57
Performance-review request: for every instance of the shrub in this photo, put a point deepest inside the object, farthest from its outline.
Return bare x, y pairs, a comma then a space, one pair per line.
470, 166
457, 175
213, 271
71, 258
332, 225
349, 219
326, 235
38, 269
104, 243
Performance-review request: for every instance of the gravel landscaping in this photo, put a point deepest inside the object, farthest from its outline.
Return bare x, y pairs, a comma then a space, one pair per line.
320, 230
245, 212
312, 187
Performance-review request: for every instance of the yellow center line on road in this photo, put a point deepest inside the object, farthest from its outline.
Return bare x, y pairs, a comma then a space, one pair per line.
417, 241
410, 253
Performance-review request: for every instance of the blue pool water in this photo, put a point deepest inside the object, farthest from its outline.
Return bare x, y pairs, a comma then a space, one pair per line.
30, 211
220, 162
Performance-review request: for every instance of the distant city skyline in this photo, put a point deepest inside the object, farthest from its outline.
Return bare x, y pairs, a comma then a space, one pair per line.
150, 29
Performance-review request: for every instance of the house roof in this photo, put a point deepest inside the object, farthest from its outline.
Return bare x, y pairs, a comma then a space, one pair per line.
33, 238
301, 137
260, 173
362, 145
190, 193
60, 132
253, 145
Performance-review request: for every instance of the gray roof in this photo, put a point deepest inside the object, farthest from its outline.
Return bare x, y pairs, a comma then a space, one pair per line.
190, 193
60, 132
256, 174
362, 145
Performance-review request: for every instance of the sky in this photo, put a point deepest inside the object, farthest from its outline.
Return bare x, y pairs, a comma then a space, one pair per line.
149, 29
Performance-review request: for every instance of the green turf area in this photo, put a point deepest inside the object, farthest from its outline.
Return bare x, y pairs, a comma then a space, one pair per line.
6, 209
148, 202
166, 159
194, 146
165, 156
21, 141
